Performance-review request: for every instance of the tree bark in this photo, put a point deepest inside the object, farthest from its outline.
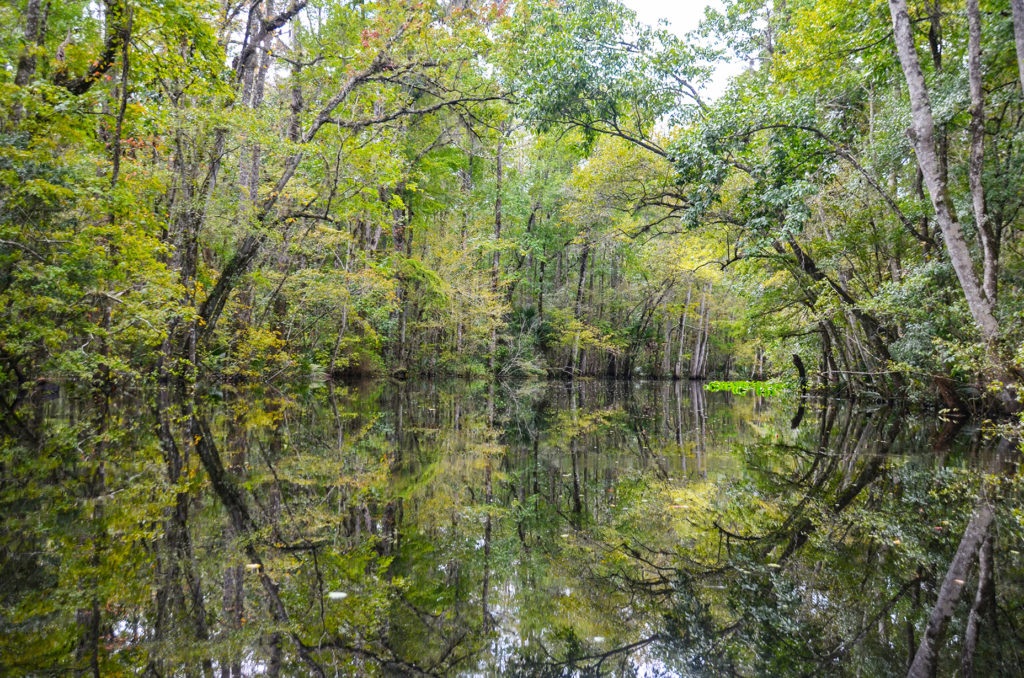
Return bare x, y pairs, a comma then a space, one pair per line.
802, 372
872, 327
115, 169
666, 354
27, 60
496, 254
984, 604
923, 138
233, 500
577, 310
989, 244
952, 587
117, 33
677, 373
1018, 35
699, 339
254, 75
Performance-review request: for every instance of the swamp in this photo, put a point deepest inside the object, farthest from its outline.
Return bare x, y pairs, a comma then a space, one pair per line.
511, 338
568, 528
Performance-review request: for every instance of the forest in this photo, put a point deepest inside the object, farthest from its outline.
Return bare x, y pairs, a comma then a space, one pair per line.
318, 191
301, 299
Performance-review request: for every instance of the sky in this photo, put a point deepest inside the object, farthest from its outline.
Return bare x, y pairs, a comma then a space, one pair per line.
684, 16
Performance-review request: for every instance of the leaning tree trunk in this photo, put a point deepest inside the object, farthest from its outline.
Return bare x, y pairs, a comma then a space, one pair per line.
924, 141
975, 534
984, 605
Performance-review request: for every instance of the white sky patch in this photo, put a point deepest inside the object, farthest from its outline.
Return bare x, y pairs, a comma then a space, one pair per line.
684, 16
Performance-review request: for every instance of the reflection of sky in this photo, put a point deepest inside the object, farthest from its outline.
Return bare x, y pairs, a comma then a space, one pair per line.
610, 434
684, 16
619, 431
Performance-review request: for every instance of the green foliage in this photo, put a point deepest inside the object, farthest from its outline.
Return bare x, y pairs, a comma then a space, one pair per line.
217, 224
592, 65
759, 388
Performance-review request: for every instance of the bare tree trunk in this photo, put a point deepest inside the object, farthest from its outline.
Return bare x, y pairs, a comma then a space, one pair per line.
1018, 35
827, 359
496, 255
253, 82
488, 498
698, 358
297, 102
705, 344
574, 367
926, 232
923, 139
540, 293
989, 246
337, 341
467, 190
677, 373
33, 35
666, 356
696, 339
121, 94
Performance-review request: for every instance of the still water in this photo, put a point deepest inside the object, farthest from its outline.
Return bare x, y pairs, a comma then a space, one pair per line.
475, 529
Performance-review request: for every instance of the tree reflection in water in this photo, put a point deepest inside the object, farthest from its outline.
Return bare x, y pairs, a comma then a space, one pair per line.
585, 528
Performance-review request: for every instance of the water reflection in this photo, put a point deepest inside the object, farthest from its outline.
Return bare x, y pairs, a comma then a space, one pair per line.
589, 528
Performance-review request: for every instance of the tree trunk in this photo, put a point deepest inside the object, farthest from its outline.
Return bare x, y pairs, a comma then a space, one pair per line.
705, 349
297, 102
253, 82
695, 357
33, 34
496, 254
952, 587
984, 605
117, 32
577, 310
828, 363
677, 373
540, 292
1018, 36
666, 355
989, 246
802, 371
698, 361
923, 139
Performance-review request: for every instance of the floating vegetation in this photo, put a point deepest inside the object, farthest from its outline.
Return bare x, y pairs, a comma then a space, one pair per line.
761, 388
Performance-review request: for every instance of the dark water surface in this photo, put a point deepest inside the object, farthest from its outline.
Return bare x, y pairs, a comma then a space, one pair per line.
482, 529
